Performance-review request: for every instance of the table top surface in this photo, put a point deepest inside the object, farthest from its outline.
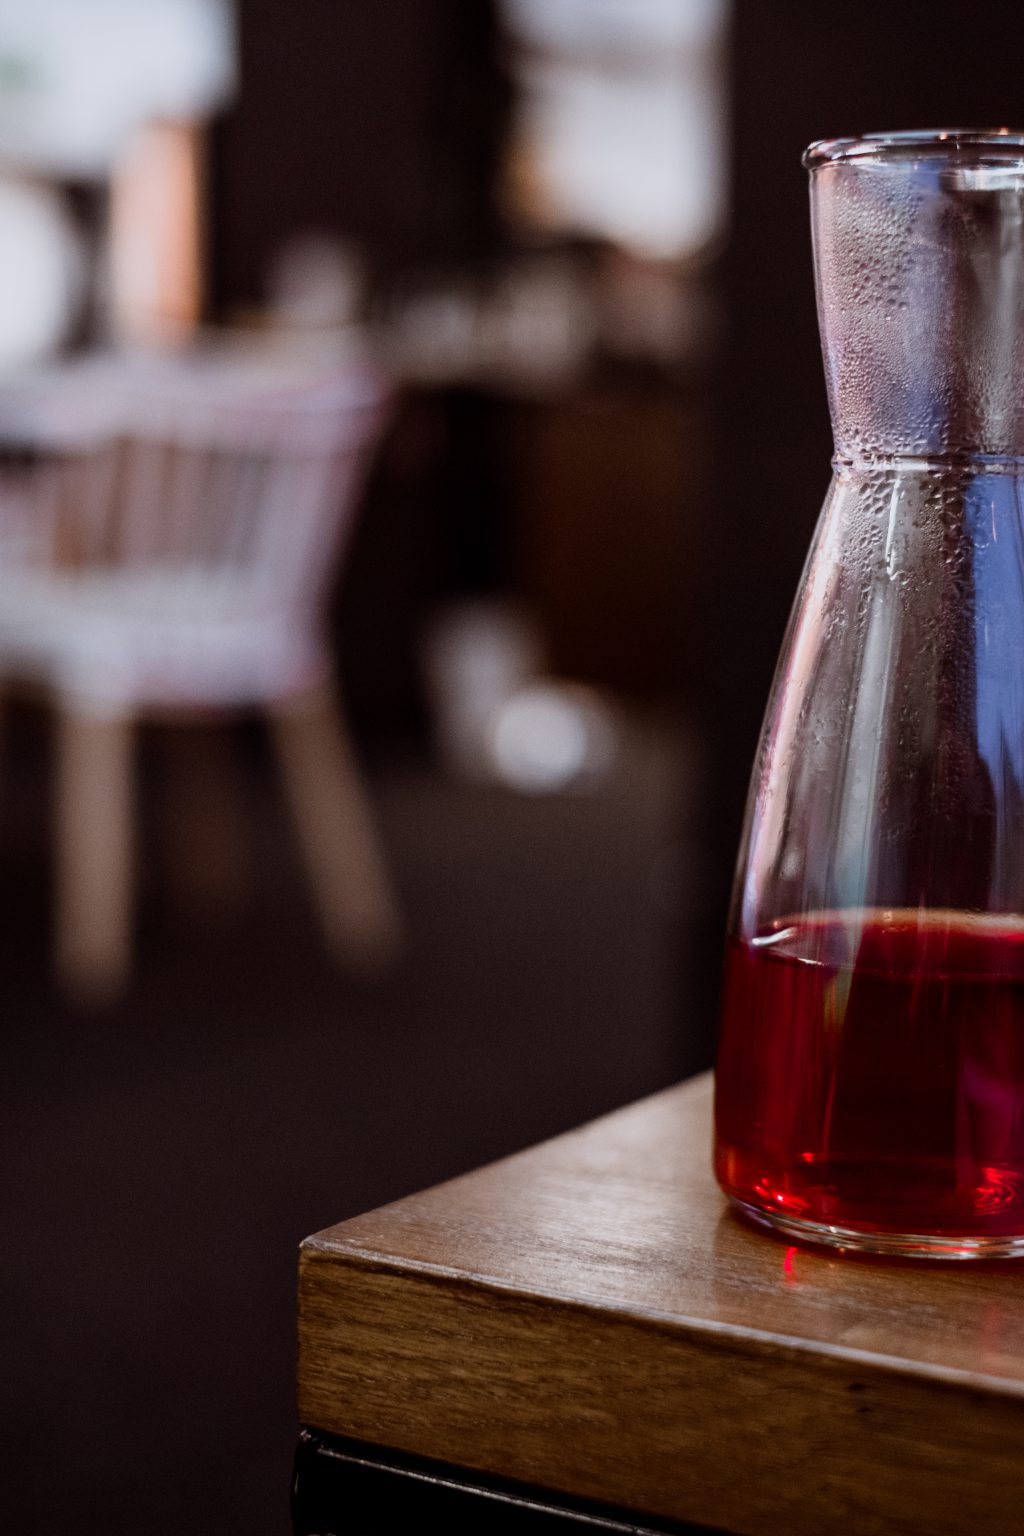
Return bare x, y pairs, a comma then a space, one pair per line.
589, 1316
625, 1213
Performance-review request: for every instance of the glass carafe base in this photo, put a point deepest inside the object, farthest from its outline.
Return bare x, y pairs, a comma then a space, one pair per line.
899, 1245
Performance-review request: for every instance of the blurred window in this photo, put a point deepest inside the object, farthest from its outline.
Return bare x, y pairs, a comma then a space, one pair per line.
620, 132
76, 76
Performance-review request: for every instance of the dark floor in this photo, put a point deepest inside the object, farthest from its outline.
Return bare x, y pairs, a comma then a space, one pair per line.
162, 1160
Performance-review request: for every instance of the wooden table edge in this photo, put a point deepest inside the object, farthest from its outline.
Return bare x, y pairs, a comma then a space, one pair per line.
366, 1262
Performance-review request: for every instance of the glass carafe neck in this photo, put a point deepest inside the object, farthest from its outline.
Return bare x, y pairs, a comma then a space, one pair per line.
919, 258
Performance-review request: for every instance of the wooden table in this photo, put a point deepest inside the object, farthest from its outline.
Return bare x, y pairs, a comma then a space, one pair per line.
585, 1327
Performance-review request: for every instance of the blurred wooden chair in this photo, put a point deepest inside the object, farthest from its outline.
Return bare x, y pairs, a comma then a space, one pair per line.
170, 553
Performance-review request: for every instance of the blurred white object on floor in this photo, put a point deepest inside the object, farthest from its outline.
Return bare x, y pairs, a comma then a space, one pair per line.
497, 717
552, 735
476, 654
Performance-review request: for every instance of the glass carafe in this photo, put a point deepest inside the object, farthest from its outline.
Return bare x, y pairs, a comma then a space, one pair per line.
870, 1086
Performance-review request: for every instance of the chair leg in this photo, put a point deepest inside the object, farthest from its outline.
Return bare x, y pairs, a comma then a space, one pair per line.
94, 854
336, 827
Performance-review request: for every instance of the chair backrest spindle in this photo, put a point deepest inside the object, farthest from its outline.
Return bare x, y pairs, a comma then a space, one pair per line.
205, 512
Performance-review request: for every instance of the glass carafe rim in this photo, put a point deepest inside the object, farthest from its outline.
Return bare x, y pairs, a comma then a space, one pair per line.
976, 145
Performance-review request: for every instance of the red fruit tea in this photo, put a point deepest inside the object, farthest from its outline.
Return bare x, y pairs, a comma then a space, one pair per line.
871, 1074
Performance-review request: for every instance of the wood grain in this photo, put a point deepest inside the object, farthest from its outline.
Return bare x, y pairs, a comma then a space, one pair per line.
588, 1317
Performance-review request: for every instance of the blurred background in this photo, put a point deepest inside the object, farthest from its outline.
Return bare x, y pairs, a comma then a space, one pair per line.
560, 247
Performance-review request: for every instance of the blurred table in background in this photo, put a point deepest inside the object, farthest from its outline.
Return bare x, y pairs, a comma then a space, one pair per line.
582, 1336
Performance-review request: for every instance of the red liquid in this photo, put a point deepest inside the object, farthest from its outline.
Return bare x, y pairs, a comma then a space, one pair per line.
871, 1073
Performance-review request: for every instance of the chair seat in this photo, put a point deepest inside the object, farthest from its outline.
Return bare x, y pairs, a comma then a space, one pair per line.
121, 640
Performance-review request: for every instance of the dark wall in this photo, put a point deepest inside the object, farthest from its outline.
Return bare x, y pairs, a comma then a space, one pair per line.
377, 122
802, 71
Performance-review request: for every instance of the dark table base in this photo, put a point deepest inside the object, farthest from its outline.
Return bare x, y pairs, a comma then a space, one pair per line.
345, 1488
